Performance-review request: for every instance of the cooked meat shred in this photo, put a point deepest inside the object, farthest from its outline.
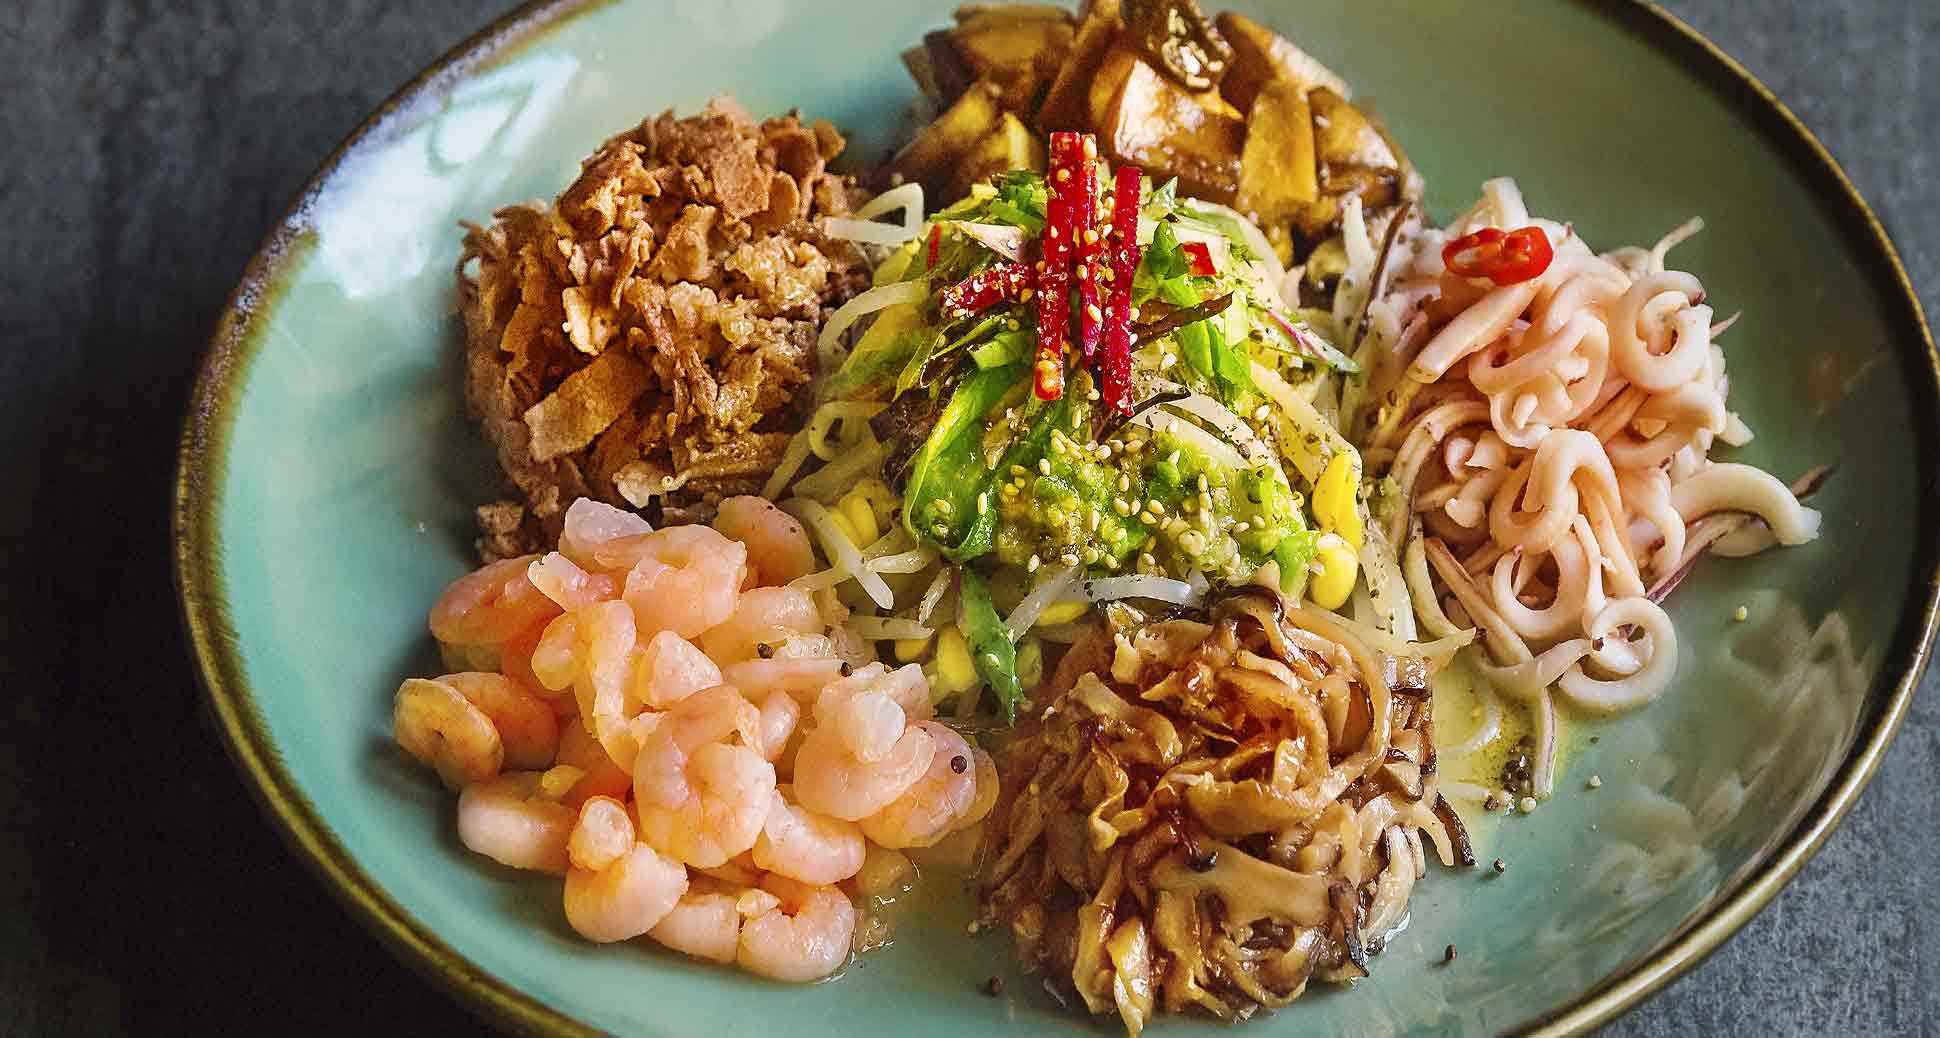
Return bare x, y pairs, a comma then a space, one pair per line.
645, 338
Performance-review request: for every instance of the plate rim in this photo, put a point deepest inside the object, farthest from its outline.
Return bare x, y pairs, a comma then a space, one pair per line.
200, 471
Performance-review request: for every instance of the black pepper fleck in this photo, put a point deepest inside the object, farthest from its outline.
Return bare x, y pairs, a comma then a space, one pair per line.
994, 986
1448, 955
959, 764
846, 669
1501, 866
764, 650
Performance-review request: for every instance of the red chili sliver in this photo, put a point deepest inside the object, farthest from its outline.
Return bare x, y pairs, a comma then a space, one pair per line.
1115, 367
1005, 282
1201, 258
1061, 222
936, 241
1090, 251
1506, 258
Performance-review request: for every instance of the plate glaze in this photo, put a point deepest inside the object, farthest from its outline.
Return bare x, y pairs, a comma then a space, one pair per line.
327, 477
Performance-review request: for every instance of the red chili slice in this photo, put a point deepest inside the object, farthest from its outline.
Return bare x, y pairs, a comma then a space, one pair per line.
1005, 282
1062, 219
1506, 258
1201, 257
936, 241
1090, 253
1115, 367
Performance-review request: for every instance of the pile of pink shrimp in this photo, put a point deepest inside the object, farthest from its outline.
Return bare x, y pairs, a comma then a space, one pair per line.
657, 716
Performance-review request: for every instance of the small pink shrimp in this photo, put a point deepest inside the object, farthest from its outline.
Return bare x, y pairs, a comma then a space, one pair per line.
705, 923
616, 889
439, 726
591, 523
778, 546
805, 846
506, 820
491, 605
592, 649
905, 686
600, 776
780, 713
567, 585
515, 662
802, 678
701, 797
764, 616
938, 804
683, 579
862, 753
806, 937
671, 669
526, 725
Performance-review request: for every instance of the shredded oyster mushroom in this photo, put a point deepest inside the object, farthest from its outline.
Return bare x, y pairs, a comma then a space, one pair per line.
1213, 813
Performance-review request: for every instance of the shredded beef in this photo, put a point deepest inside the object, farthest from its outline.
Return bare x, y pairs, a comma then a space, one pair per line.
646, 338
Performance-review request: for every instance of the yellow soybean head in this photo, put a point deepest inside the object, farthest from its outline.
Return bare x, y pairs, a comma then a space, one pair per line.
1063, 613
1030, 663
1338, 567
1334, 505
861, 514
909, 650
847, 526
954, 670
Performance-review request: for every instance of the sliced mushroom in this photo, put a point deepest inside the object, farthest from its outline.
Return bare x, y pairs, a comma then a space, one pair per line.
1179, 40
1261, 55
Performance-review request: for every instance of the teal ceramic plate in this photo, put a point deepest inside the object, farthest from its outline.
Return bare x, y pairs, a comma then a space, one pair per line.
327, 477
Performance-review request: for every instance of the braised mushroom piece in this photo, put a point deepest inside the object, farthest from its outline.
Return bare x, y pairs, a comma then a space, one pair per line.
1229, 808
1235, 111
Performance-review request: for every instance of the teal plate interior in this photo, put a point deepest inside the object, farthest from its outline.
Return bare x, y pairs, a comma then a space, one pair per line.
328, 476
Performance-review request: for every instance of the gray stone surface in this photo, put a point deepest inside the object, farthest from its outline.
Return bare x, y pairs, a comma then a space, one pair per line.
144, 148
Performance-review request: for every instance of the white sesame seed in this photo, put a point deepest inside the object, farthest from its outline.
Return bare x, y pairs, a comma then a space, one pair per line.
1069, 558
1202, 482
1740, 614
1596, 781
1063, 174
1242, 526
983, 504
1031, 566
1044, 466
1526, 804
1092, 311
1155, 507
